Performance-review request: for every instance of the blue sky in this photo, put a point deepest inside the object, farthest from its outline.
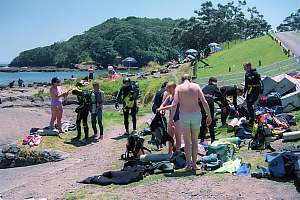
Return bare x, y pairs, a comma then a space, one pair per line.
26, 24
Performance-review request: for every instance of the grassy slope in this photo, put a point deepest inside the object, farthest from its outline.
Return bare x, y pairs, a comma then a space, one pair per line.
263, 48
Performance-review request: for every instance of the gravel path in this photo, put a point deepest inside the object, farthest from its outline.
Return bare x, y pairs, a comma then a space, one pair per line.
291, 40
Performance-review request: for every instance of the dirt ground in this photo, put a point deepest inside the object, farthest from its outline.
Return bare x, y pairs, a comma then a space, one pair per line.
17, 121
55, 180
59, 180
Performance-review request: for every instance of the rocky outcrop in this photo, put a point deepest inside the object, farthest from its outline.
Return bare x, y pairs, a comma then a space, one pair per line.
18, 156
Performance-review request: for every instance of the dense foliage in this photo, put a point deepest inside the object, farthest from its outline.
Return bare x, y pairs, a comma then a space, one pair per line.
219, 24
142, 38
151, 39
291, 23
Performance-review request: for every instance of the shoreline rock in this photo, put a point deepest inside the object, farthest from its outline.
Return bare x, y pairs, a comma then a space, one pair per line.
14, 155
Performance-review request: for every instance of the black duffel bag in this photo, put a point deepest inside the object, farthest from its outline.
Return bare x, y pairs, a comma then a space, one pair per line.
272, 99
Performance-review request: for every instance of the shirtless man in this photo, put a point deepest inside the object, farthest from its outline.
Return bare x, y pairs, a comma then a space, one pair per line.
188, 95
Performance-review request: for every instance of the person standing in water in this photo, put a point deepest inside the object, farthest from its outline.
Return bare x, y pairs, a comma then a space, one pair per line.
57, 94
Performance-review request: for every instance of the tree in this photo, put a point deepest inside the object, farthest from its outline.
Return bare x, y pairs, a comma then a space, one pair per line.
103, 52
290, 23
219, 24
131, 36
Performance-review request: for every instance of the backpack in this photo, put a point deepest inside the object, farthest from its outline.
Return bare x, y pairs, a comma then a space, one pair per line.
259, 140
273, 99
135, 87
134, 147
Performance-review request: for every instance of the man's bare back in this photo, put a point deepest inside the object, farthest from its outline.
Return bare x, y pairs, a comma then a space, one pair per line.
188, 95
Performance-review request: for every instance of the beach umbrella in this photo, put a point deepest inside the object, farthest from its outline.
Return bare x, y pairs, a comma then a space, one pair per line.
213, 44
191, 51
129, 61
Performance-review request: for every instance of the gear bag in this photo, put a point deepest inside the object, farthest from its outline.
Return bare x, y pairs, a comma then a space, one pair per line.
134, 147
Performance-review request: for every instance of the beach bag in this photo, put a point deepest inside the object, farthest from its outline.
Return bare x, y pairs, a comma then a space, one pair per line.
163, 167
282, 164
212, 165
223, 151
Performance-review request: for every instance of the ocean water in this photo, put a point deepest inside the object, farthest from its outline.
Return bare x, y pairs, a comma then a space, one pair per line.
30, 77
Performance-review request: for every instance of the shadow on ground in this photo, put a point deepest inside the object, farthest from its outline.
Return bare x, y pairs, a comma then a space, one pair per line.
79, 143
184, 174
120, 137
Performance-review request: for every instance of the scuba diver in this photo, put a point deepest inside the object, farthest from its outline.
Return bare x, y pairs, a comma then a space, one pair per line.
212, 95
128, 95
82, 111
253, 89
229, 91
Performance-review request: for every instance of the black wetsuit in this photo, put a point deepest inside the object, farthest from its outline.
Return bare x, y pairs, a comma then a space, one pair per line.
129, 96
158, 99
82, 114
228, 91
253, 88
212, 94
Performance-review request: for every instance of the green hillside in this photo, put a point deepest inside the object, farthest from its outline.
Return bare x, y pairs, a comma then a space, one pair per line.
253, 50
142, 38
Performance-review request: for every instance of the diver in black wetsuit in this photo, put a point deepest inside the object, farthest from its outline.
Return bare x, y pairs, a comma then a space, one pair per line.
82, 112
229, 91
212, 94
159, 97
253, 89
128, 96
